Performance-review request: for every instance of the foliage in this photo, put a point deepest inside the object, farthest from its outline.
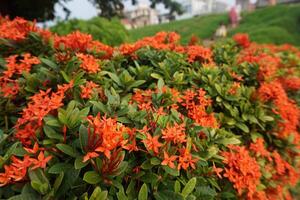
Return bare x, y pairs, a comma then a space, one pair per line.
110, 32
149, 120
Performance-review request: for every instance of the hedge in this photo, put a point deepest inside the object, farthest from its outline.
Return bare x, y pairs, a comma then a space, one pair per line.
110, 32
149, 120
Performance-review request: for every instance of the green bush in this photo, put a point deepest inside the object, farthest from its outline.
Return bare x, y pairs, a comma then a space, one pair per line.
149, 120
110, 32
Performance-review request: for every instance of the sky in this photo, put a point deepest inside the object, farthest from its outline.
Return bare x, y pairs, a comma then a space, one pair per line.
83, 9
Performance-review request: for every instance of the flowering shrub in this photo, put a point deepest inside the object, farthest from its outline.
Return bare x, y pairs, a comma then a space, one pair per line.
149, 120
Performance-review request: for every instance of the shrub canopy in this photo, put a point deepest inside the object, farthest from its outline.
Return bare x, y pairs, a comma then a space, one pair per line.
149, 120
110, 32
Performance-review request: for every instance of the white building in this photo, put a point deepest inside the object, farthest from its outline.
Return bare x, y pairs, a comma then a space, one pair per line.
141, 15
200, 7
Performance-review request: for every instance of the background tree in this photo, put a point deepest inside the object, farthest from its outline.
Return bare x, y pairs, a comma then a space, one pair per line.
43, 10
40, 10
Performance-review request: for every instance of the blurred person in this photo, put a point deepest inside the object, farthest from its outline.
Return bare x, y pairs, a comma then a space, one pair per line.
221, 32
233, 15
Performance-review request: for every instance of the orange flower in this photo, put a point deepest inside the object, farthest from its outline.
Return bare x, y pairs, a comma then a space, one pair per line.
169, 160
152, 143
88, 63
8, 87
186, 160
101, 48
233, 89
259, 148
104, 135
89, 156
242, 39
198, 53
87, 90
41, 161
16, 29
175, 133
18, 66
217, 170
40, 105
242, 170
75, 41
34, 150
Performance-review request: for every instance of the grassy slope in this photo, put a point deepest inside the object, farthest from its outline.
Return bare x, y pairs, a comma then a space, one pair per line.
202, 27
279, 24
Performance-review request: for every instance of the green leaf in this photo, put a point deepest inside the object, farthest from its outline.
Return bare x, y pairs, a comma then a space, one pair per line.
39, 181
115, 78
51, 133
49, 63
78, 164
227, 141
58, 181
155, 161
96, 193
189, 187
83, 137
156, 76
59, 167
65, 76
92, 177
243, 127
160, 84
172, 172
67, 150
167, 195
177, 187
136, 84
143, 193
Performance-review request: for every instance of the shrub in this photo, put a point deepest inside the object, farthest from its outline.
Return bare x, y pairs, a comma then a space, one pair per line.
149, 120
110, 32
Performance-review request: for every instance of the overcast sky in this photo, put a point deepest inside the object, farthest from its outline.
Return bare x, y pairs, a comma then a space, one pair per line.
82, 9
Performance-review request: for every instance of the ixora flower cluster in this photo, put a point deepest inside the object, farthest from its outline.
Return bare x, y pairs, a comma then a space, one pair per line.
149, 120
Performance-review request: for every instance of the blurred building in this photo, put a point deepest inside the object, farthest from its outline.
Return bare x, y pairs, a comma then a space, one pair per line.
140, 16
262, 3
193, 8
244, 4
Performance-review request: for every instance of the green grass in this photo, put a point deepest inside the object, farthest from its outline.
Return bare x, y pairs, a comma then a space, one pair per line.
278, 24
203, 27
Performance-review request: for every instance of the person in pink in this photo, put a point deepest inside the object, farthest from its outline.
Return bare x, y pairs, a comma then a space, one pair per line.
233, 15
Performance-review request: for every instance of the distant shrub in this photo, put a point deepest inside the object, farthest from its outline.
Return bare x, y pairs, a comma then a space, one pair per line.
110, 32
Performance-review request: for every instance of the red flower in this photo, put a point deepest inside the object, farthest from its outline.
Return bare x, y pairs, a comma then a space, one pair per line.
16, 29
88, 63
242, 170
104, 135
41, 161
259, 148
175, 133
185, 160
198, 53
169, 160
89, 156
152, 143
75, 41
217, 170
87, 90
242, 39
